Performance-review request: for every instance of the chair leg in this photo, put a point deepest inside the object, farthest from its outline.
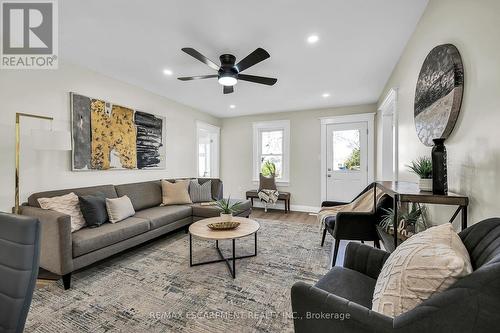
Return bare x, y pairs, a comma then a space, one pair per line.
376, 242
335, 251
66, 281
323, 238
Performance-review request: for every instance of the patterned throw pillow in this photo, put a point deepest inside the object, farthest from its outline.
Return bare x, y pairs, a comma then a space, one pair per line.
67, 204
200, 192
425, 264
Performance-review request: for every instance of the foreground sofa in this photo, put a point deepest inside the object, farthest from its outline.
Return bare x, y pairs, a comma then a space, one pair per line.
472, 304
63, 252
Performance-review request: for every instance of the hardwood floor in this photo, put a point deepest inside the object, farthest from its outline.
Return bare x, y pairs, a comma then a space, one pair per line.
280, 215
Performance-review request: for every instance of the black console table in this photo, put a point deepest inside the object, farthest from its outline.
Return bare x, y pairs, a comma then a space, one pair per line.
409, 192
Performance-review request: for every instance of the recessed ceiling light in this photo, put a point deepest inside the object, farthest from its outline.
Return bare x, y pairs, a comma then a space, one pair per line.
168, 72
232, 106
325, 95
312, 39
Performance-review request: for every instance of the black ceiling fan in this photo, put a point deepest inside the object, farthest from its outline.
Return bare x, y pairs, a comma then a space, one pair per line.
228, 73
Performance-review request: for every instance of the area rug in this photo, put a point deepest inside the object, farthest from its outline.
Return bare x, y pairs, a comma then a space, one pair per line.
151, 288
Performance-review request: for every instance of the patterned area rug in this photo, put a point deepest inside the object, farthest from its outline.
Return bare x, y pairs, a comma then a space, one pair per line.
152, 288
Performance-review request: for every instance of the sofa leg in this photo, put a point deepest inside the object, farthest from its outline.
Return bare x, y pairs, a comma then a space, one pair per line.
335, 251
323, 238
66, 281
376, 242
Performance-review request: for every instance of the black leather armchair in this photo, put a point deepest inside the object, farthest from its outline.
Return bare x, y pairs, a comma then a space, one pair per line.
354, 225
472, 304
19, 258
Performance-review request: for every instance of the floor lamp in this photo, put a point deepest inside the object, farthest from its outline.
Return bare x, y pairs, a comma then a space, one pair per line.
44, 140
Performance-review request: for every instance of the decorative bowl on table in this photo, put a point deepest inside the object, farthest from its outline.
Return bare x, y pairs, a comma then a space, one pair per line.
223, 225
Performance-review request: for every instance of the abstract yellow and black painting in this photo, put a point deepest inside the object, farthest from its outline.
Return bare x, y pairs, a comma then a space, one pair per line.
108, 136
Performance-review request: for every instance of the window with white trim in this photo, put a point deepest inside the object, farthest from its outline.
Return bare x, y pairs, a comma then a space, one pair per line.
271, 143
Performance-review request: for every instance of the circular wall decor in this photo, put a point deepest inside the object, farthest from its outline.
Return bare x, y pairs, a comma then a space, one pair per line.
438, 95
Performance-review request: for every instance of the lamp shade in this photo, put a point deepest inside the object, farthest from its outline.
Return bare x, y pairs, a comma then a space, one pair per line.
51, 140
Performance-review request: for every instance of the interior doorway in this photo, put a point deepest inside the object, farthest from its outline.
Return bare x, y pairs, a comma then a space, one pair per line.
207, 150
389, 136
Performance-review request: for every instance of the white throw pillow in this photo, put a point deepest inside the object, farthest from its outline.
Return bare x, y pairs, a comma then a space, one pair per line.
119, 209
67, 204
426, 263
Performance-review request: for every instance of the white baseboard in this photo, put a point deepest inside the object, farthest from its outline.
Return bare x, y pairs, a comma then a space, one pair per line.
293, 208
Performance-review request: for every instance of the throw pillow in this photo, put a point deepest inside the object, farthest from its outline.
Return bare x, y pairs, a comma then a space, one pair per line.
175, 193
119, 209
200, 192
67, 204
425, 264
266, 183
94, 209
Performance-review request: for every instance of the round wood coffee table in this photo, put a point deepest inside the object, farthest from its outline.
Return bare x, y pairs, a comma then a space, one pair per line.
200, 229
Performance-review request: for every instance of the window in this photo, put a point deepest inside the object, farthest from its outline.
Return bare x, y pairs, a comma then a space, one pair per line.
207, 150
271, 143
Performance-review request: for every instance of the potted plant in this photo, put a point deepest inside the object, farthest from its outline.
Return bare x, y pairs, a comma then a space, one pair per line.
227, 209
410, 221
423, 168
268, 169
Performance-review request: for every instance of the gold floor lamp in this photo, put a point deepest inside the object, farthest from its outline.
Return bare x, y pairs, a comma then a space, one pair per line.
43, 140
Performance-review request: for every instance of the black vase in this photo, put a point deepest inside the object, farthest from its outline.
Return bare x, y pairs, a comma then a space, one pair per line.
439, 170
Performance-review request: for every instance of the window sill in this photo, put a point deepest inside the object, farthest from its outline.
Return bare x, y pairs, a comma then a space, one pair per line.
279, 183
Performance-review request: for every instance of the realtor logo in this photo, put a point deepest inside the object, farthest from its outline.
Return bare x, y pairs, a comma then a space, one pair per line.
29, 34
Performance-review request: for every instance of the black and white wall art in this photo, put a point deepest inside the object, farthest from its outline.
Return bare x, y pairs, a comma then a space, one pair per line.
438, 95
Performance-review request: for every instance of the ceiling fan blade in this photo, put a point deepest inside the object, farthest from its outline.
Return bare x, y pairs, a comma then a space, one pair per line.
197, 55
190, 78
253, 58
258, 79
228, 89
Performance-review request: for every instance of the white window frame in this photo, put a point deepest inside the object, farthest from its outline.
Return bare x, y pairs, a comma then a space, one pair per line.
214, 163
258, 127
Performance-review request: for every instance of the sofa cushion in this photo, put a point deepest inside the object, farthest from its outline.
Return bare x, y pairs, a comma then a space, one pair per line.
90, 239
160, 216
200, 192
175, 193
108, 190
349, 284
67, 204
119, 209
213, 211
143, 195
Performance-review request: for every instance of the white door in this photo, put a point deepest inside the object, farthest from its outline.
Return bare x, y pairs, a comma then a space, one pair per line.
347, 160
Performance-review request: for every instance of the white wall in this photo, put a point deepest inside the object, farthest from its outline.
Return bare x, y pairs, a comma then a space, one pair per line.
236, 147
473, 148
46, 92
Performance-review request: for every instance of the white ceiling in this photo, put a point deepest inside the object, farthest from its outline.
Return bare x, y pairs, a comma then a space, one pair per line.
133, 41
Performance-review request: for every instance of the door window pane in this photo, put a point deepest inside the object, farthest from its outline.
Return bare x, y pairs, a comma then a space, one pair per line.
346, 150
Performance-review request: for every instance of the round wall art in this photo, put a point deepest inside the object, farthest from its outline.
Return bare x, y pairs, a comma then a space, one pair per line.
438, 95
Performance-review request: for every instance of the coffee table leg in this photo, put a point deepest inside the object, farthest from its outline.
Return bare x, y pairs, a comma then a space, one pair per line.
234, 259
255, 243
190, 250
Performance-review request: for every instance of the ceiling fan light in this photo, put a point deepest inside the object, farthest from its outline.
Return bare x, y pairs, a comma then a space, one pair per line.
227, 80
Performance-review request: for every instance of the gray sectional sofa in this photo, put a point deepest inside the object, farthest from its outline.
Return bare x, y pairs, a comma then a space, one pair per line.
63, 252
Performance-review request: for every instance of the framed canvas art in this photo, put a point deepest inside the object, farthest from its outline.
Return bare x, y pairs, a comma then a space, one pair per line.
109, 136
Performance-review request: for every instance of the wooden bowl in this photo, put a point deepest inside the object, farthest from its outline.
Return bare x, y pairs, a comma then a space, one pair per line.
223, 225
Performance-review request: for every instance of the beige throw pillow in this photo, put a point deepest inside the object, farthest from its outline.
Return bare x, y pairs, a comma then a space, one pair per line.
427, 263
119, 209
175, 193
67, 204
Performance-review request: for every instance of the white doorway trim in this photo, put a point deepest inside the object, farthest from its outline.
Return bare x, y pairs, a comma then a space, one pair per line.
389, 136
215, 162
354, 118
